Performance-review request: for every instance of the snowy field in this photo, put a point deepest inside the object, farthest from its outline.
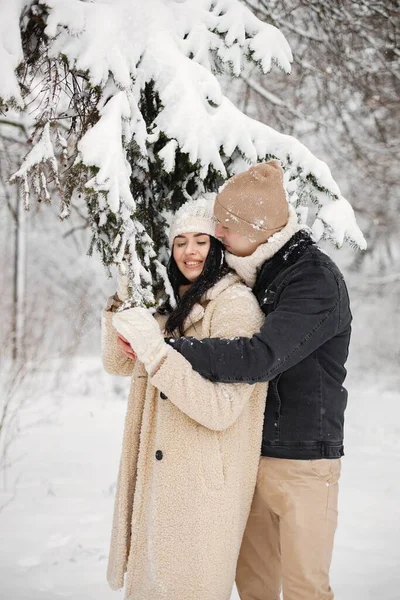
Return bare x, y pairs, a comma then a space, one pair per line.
55, 532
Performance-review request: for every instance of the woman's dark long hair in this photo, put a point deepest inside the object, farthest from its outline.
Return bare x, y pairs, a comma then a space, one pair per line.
214, 269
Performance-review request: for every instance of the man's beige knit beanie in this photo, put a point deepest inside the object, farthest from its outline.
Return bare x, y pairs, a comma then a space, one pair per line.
254, 203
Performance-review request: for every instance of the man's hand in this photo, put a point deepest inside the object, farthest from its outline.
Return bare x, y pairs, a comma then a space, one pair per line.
126, 347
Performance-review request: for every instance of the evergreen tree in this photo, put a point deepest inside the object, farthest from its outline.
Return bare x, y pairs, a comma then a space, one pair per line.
129, 115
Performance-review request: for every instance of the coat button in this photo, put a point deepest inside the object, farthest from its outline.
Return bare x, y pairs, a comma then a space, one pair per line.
159, 455
163, 396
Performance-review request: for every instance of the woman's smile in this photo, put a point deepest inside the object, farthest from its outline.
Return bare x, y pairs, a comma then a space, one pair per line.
193, 264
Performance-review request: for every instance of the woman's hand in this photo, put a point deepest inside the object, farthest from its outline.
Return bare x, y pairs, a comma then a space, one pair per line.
126, 347
141, 330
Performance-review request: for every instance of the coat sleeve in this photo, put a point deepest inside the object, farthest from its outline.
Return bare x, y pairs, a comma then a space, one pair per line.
306, 316
114, 360
213, 405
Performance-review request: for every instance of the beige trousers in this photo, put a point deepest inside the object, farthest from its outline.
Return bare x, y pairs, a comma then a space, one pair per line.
289, 535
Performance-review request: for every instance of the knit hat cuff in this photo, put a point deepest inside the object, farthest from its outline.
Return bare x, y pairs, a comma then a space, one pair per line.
257, 229
191, 225
194, 216
231, 217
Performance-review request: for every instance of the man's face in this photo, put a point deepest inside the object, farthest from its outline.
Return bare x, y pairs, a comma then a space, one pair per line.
235, 243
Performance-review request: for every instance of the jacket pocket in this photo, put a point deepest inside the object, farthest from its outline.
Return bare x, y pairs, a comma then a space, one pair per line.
326, 469
212, 467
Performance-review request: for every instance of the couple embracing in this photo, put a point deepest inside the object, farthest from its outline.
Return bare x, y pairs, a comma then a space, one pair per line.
234, 428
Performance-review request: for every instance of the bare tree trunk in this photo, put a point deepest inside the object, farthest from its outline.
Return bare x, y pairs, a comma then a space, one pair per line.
19, 276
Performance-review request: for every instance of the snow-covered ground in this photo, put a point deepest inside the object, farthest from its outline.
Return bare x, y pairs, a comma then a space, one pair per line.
55, 532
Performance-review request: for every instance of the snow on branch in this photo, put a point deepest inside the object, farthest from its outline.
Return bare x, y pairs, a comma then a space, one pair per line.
114, 170
34, 165
229, 30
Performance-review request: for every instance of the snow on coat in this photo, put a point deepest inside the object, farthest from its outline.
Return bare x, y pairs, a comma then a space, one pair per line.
189, 462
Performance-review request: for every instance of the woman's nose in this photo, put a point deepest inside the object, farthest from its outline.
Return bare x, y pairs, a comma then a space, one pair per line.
190, 249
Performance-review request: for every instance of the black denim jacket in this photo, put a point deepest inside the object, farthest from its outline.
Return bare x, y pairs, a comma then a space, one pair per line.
301, 350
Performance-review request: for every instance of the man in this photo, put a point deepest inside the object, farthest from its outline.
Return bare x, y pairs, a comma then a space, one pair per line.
301, 350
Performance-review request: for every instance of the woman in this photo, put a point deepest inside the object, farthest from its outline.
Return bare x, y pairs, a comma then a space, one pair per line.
191, 448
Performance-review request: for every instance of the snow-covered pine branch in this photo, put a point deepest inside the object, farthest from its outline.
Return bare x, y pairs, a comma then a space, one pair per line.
129, 112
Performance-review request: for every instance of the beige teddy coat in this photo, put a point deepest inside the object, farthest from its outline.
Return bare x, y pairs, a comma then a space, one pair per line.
179, 519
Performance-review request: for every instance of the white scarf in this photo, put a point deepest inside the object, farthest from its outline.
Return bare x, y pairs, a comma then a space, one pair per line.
247, 266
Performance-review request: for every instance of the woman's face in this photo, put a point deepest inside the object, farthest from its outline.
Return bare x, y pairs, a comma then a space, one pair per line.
190, 251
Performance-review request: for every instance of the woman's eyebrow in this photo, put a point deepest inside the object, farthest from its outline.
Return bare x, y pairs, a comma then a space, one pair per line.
195, 235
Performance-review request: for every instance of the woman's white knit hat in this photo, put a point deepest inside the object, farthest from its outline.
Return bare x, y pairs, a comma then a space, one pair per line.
194, 216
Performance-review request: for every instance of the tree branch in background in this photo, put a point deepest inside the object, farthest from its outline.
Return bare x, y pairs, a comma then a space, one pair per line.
345, 86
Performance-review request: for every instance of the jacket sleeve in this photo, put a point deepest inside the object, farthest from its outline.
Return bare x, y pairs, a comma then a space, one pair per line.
306, 316
114, 360
213, 405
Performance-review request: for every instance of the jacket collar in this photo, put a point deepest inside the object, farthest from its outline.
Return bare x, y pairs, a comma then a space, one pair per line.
198, 309
284, 258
